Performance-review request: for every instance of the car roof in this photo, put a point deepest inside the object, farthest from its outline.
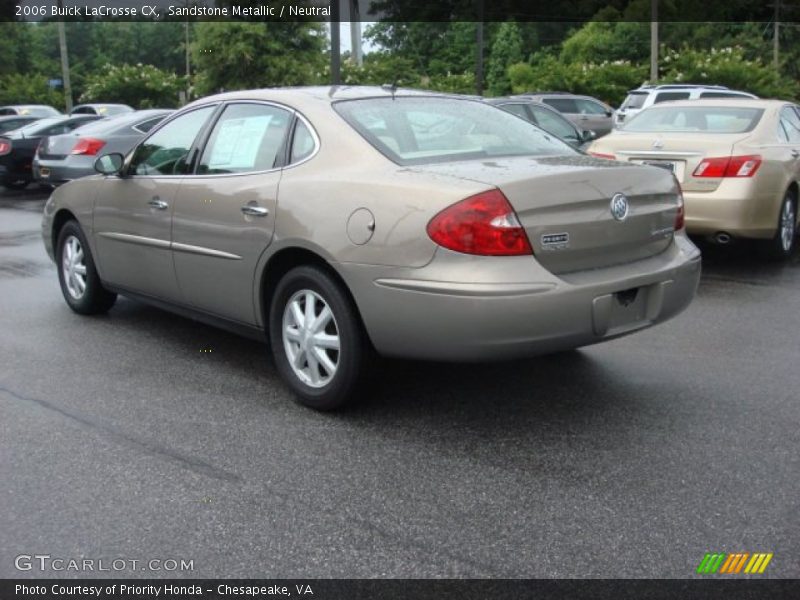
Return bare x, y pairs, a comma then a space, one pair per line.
735, 102
308, 95
121, 121
18, 117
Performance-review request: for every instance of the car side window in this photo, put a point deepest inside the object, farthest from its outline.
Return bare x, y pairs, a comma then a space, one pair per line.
246, 138
670, 96
146, 126
554, 124
516, 109
6, 111
791, 125
302, 143
588, 107
166, 151
564, 105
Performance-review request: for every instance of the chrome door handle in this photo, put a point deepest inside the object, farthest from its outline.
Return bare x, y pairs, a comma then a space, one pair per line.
255, 211
159, 204
795, 154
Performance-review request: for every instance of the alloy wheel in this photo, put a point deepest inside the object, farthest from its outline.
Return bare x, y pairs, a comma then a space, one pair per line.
311, 338
73, 267
788, 224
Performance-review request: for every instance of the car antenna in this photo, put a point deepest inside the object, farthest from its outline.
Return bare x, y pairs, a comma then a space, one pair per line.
390, 87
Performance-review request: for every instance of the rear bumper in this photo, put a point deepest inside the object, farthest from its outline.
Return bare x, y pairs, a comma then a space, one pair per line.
60, 171
464, 308
733, 208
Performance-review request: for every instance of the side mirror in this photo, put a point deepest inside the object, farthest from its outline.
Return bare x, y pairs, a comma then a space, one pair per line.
609, 113
587, 135
109, 164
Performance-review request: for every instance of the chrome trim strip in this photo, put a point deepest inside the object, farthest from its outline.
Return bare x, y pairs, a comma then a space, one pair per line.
474, 290
178, 247
135, 239
659, 153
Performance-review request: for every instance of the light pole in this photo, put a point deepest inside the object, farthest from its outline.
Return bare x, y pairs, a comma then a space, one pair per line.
62, 44
653, 41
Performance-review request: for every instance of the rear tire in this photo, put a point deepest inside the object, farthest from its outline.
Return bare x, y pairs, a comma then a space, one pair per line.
16, 184
80, 284
780, 247
317, 338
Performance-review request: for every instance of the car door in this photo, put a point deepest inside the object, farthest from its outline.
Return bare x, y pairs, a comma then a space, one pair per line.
593, 116
554, 123
225, 212
133, 213
789, 136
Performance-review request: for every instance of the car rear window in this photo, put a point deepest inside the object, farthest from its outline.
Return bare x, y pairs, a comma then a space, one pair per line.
564, 105
700, 119
635, 100
723, 95
670, 97
426, 130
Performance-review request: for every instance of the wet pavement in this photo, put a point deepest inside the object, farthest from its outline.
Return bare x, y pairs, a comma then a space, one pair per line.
121, 438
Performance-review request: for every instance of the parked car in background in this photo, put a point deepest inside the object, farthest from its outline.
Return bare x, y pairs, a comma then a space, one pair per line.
104, 110
72, 155
18, 147
341, 219
648, 95
584, 111
737, 161
11, 123
32, 110
546, 118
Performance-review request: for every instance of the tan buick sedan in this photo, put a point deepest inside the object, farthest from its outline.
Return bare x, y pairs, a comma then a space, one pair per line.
737, 160
339, 221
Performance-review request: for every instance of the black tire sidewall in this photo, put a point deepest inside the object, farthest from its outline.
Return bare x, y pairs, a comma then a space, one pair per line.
773, 249
95, 299
343, 387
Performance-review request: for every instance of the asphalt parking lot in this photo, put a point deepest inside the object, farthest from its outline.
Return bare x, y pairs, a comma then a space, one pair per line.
141, 435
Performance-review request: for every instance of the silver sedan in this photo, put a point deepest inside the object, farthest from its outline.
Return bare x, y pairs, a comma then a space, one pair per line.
341, 221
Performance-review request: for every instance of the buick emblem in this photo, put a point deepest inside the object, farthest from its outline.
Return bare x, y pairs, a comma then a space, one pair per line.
619, 207
657, 144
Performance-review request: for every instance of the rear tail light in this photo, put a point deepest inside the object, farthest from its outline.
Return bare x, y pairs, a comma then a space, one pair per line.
484, 224
601, 155
5, 147
680, 217
87, 146
728, 166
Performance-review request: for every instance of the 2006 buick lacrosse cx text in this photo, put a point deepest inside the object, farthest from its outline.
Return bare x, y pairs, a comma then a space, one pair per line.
343, 221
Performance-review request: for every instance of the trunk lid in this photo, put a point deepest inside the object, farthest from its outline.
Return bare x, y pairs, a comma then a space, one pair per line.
564, 204
57, 147
681, 153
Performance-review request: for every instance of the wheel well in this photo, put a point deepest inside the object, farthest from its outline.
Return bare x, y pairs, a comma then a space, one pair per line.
286, 260
794, 190
59, 220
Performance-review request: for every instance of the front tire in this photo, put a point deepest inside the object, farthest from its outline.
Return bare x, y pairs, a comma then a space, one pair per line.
317, 339
80, 283
780, 247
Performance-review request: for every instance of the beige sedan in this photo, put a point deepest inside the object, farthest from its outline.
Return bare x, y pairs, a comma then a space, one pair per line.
340, 221
737, 161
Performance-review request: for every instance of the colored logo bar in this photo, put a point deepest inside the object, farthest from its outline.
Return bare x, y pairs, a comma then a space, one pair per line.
734, 563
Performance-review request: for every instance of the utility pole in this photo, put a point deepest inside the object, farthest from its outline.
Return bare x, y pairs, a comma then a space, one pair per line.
188, 64
62, 44
479, 51
653, 41
336, 51
776, 35
355, 33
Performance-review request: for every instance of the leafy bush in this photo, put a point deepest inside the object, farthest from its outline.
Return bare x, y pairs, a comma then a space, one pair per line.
726, 66
141, 86
608, 81
26, 89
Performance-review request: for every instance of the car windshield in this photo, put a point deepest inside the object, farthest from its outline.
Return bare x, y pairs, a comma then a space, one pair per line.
634, 100
696, 119
37, 111
425, 130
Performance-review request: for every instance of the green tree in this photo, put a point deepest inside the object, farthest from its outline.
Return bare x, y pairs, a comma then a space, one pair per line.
233, 55
506, 51
141, 86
